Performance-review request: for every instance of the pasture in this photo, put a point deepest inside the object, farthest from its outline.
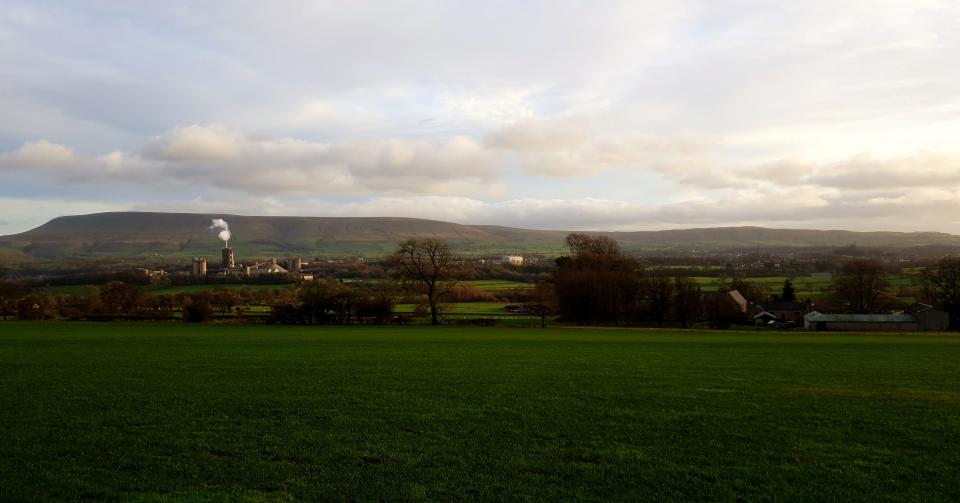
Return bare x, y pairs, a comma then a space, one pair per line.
146, 412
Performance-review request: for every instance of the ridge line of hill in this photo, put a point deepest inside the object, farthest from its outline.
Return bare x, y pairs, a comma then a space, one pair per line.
124, 234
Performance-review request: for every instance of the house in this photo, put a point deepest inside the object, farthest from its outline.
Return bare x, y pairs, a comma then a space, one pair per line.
765, 318
783, 311
741, 302
725, 308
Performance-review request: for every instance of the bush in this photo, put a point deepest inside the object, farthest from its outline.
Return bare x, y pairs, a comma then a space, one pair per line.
197, 311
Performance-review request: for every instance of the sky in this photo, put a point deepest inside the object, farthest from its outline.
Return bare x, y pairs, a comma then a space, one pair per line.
596, 115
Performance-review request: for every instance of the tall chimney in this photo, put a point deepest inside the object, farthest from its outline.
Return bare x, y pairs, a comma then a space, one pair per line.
227, 259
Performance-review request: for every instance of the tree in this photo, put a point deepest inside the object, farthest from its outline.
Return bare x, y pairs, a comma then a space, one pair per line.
224, 300
8, 292
686, 300
861, 287
788, 294
429, 264
658, 296
543, 301
942, 287
120, 297
197, 310
598, 283
753, 292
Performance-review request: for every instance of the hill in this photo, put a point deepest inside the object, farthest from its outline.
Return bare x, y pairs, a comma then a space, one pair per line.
131, 234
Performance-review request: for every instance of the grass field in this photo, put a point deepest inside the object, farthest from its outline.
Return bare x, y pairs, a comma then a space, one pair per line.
152, 412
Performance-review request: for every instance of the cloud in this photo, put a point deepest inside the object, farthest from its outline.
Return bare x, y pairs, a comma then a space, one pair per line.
570, 146
39, 154
863, 172
229, 159
195, 143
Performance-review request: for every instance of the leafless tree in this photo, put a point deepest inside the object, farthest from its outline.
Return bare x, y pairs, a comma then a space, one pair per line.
942, 287
686, 300
430, 264
862, 287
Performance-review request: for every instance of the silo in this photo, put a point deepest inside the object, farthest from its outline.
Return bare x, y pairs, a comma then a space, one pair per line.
203, 266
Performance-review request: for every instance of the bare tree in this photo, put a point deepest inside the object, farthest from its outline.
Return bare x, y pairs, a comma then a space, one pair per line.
430, 264
686, 300
543, 301
658, 292
942, 287
862, 287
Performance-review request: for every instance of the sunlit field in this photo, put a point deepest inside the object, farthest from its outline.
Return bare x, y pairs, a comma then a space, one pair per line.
147, 411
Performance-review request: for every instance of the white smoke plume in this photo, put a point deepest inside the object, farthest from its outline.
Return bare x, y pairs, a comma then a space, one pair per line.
221, 224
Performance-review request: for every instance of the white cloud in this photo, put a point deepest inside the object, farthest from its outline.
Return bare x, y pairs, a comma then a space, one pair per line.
195, 143
228, 159
39, 154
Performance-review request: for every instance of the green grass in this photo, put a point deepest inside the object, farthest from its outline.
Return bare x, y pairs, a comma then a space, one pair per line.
152, 412
174, 289
170, 289
497, 285
462, 308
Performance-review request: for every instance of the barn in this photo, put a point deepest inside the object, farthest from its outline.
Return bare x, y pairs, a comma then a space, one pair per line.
821, 322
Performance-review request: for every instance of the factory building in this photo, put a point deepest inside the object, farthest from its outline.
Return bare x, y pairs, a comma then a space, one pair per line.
270, 267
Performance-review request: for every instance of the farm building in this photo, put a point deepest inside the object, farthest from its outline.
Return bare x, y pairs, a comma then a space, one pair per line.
781, 311
821, 322
930, 318
922, 317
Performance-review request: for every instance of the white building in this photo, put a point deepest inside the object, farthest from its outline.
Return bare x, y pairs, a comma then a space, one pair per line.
512, 260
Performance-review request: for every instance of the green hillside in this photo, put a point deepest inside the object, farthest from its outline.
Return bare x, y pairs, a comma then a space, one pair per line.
135, 234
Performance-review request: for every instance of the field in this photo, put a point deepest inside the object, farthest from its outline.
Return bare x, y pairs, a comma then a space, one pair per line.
142, 412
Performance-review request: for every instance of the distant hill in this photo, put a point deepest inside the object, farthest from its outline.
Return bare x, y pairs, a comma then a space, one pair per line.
135, 234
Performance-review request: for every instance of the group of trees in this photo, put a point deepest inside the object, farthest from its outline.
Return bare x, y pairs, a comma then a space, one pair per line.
331, 302
598, 283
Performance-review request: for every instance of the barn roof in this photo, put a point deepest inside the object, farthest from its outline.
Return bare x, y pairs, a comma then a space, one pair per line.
862, 318
737, 296
783, 306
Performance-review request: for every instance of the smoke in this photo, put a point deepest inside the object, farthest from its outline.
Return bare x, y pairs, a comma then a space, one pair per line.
221, 224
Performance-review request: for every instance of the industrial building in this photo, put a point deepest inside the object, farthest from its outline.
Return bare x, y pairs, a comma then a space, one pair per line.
230, 267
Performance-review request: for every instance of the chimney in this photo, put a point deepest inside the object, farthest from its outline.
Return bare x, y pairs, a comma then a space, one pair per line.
227, 259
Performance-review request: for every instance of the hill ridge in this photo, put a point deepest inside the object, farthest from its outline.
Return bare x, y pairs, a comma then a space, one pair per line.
184, 234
